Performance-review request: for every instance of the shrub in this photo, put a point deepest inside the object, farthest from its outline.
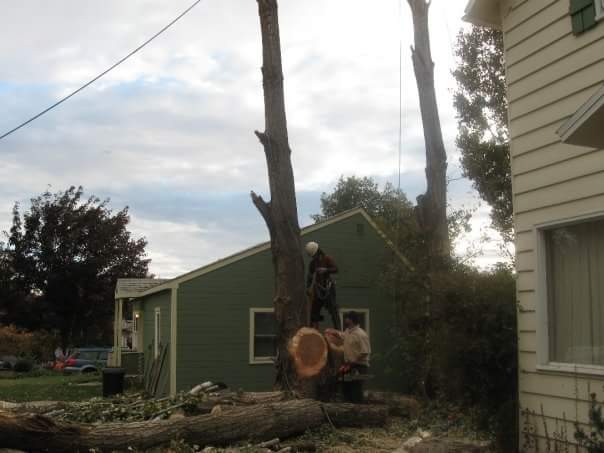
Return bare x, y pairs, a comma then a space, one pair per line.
21, 343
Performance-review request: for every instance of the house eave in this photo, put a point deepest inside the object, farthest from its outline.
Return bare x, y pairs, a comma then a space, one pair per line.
584, 128
266, 246
485, 13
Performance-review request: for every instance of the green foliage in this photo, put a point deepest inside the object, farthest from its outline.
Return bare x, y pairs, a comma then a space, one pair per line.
593, 441
16, 342
65, 254
483, 138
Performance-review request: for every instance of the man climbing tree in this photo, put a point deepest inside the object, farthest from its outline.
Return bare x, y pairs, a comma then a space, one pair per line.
280, 213
320, 286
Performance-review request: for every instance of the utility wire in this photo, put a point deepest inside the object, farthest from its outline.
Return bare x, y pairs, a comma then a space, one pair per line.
56, 104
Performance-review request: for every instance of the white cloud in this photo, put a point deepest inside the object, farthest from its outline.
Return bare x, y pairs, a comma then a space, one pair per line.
178, 118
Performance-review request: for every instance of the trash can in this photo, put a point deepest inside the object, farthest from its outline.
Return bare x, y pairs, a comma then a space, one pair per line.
113, 381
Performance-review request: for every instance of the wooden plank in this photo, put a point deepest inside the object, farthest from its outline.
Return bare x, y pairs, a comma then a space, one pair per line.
587, 78
562, 386
543, 78
538, 41
569, 210
557, 50
552, 113
578, 167
523, 12
548, 156
532, 24
565, 192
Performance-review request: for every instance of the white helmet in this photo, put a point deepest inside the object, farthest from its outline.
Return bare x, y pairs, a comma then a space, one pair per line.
312, 248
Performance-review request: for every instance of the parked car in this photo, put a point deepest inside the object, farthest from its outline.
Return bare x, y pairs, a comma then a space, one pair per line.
87, 360
5, 365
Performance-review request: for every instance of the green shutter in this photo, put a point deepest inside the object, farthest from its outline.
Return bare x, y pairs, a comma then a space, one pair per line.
583, 15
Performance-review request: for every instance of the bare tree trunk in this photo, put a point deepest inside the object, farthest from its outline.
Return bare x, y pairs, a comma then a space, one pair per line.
259, 422
281, 213
432, 206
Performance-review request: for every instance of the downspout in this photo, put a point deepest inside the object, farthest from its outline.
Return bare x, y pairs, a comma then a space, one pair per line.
173, 337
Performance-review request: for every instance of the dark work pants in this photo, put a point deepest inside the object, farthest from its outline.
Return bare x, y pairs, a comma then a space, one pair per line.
353, 390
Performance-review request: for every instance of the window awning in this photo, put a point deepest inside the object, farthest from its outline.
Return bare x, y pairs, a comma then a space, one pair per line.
586, 126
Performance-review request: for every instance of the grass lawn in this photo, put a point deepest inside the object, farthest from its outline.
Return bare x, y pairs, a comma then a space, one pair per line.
53, 387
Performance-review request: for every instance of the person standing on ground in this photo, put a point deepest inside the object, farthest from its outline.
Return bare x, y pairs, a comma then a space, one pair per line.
320, 286
357, 352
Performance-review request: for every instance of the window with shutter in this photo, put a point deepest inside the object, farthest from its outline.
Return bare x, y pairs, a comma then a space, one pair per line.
583, 14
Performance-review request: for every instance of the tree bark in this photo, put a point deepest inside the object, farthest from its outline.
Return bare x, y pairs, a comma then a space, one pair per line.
432, 206
281, 213
258, 423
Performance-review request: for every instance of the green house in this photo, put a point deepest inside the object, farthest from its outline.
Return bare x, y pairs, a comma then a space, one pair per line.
216, 322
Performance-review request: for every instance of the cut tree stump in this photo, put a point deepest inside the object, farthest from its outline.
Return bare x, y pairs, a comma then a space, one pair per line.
259, 422
308, 350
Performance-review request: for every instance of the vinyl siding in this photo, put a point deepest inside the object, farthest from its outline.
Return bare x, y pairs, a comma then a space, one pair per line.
159, 300
550, 74
214, 309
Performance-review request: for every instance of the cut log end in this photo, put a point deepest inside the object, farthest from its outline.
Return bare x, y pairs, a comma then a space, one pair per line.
309, 350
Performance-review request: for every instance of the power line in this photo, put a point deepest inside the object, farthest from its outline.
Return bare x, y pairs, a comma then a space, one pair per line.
56, 104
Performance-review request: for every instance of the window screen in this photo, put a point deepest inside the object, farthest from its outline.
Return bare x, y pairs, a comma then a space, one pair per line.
575, 282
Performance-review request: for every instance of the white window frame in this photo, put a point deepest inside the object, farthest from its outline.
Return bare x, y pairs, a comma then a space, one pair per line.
156, 331
364, 311
542, 308
599, 10
253, 360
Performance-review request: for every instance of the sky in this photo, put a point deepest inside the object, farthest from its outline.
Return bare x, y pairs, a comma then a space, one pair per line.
169, 133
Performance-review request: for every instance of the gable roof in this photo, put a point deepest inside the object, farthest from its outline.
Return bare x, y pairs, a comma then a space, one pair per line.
167, 284
133, 287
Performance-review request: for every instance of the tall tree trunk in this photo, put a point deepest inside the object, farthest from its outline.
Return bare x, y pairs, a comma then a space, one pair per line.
281, 213
432, 206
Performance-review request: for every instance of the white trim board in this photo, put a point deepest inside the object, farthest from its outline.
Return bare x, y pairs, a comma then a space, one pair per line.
253, 360
584, 128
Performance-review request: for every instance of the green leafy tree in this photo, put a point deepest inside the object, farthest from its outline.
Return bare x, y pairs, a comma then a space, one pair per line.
482, 110
66, 254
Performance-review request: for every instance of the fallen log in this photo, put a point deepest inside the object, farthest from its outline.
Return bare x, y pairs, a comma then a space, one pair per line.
259, 422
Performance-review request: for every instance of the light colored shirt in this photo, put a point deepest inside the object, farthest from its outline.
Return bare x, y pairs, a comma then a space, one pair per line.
357, 348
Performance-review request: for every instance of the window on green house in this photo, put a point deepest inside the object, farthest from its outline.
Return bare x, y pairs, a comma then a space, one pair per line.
263, 335
585, 14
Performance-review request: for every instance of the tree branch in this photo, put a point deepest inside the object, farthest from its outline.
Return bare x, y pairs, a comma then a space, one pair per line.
263, 207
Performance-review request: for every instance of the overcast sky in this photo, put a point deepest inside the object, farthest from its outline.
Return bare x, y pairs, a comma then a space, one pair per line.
170, 132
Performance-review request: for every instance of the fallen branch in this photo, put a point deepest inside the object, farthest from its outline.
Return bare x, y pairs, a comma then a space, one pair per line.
257, 422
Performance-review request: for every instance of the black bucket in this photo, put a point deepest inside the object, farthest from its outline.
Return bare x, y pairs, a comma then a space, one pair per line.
113, 381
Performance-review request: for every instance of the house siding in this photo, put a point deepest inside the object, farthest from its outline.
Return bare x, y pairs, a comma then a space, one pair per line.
550, 73
159, 300
214, 309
